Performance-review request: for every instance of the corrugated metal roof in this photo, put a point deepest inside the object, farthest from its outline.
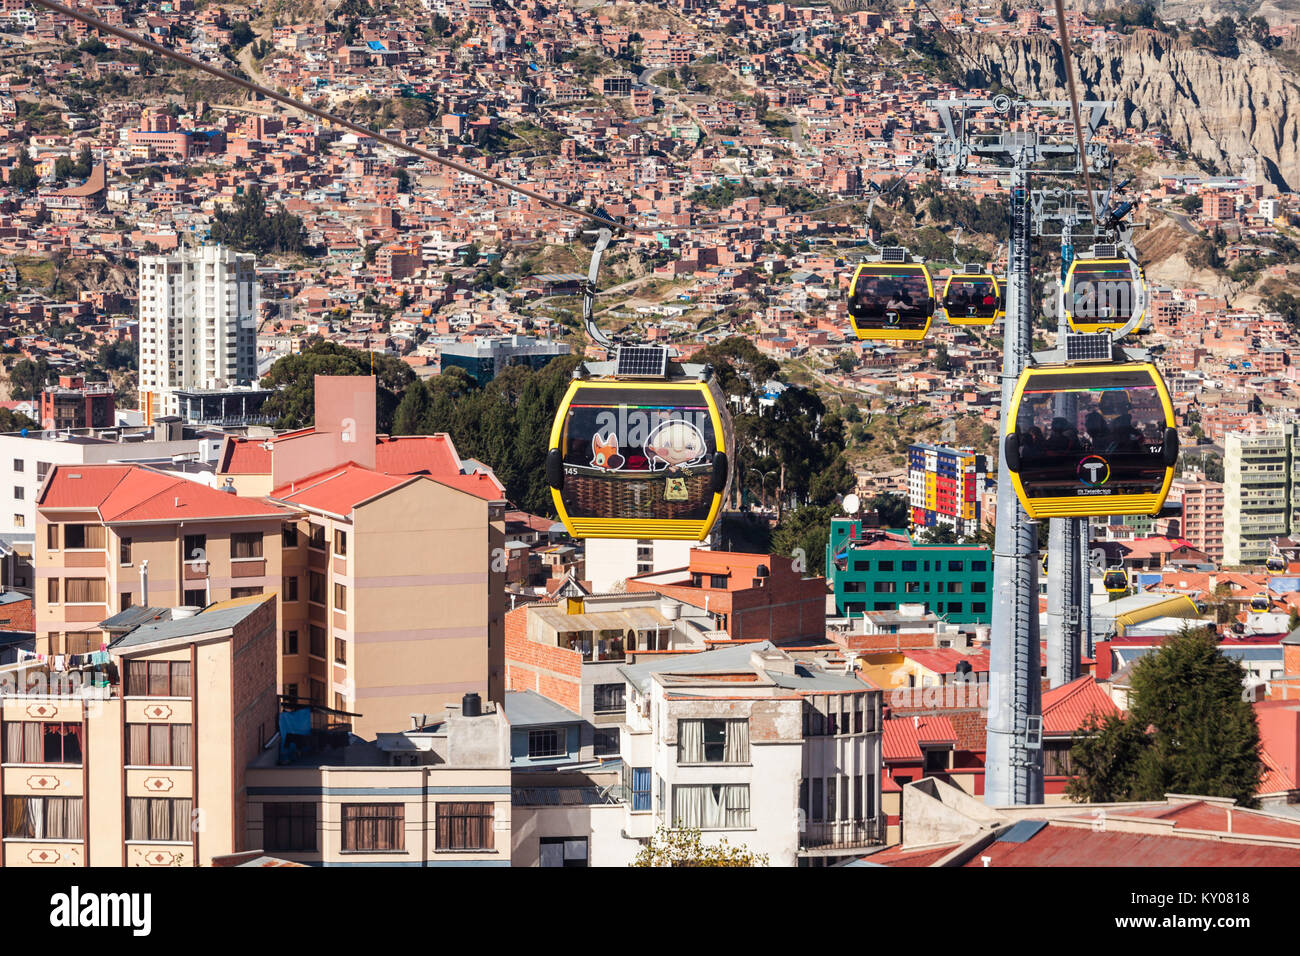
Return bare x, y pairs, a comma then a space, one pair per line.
527, 708
218, 617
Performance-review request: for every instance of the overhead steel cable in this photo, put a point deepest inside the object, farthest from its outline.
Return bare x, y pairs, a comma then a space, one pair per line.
326, 116
1074, 103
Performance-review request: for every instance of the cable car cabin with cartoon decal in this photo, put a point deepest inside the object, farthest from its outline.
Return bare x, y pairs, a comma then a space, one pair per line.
971, 298
1085, 440
891, 300
1102, 294
639, 449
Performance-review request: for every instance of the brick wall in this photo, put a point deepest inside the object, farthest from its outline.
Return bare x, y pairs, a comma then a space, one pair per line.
18, 616
553, 672
254, 650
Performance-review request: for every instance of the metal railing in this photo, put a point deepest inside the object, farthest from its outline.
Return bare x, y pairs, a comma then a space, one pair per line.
845, 834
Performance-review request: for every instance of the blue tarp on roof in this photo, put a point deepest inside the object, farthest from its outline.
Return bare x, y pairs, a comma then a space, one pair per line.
376, 45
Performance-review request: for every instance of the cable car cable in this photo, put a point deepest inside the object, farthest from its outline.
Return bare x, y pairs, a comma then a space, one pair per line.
1074, 104
328, 117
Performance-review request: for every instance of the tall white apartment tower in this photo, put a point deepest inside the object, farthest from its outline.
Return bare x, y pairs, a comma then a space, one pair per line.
1258, 494
198, 324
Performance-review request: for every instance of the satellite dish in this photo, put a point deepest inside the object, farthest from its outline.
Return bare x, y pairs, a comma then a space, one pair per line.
851, 504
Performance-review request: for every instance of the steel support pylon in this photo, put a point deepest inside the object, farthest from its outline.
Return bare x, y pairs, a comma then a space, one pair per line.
1014, 768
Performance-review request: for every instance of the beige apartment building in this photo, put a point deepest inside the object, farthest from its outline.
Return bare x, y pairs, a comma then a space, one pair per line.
1202, 521
436, 795
106, 533
139, 757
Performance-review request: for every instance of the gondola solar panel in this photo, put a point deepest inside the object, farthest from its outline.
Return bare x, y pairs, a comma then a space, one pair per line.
1088, 347
642, 361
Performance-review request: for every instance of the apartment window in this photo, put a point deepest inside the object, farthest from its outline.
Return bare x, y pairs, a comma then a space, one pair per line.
909, 565
52, 537
52, 590
124, 551
159, 745
713, 741
563, 851
885, 587
245, 592
954, 587
978, 566
978, 607
18, 492
291, 588
20, 521
605, 743
84, 591
158, 679
912, 587
317, 538
465, 826
316, 645
885, 565
340, 651
340, 703
289, 827
315, 587
936, 761
42, 469
374, 827
640, 788
18, 464
288, 539
340, 542
954, 607
246, 544
43, 818
291, 691
978, 587
609, 698
32, 741
547, 742
196, 548
196, 597
159, 819
291, 642
340, 597
87, 537
818, 809
127, 599
711, 807
718, 581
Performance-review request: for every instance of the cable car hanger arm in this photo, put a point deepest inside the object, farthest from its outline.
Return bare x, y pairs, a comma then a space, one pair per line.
332, 118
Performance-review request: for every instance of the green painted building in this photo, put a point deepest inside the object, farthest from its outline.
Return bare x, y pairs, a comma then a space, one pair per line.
869, 569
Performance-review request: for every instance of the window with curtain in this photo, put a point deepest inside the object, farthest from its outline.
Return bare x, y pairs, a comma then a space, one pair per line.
563, 851
52, 588
370, 827
289, 536
289, 827
158, 745
34, 741
52, 537
85, 590
711, 807
608, 698
340, 542
340, 597
124, 551
246, 544
43, 818
89, 537
159, 819
640, 789
713, 741
158, 679
315, 587
465, 826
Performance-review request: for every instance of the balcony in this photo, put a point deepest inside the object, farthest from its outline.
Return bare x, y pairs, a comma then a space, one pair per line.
844, 834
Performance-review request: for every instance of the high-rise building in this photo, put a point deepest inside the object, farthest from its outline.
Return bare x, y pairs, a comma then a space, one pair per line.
1258, 491
198, 324
1202, 521
944, 485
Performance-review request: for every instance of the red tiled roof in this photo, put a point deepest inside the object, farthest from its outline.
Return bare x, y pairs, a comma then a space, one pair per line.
338, 490
1276, 779
944, 660
1066, 708
125, 493
1055, 845
903, 736
1215, 817
414, 454
920, 856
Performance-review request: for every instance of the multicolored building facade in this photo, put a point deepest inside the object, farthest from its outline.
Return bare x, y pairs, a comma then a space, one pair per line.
944, 486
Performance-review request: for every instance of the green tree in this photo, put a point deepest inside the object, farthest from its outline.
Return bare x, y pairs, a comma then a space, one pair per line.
1191, 730
804, 532
15, 421
1294, 620
835, 481
24, 177
248, 227
846, 362
941, 360
28, 378
294, 377
241, 34
685, 847
891, 508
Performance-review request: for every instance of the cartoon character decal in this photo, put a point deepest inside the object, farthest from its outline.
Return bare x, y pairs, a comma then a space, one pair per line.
604, 452
673, 443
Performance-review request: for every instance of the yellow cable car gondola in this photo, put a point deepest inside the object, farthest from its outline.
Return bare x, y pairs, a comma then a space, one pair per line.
1115, 580
1087, 440
971, 298
638, 451
1260, 603
1275, 564
891, 301
1102, 294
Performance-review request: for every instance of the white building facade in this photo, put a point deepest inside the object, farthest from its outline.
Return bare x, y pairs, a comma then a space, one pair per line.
198, 324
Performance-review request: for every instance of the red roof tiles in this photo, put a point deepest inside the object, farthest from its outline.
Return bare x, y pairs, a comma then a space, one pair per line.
130, 493
1066, 708
903, 737
1056, 845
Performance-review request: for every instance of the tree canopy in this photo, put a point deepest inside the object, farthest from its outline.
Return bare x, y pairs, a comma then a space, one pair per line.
248, 227
294, 404
1190, 730
685, 847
